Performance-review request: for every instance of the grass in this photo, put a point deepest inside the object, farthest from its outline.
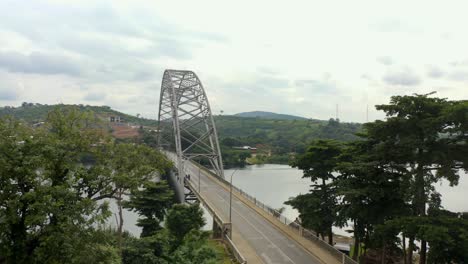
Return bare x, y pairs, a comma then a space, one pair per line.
225, 255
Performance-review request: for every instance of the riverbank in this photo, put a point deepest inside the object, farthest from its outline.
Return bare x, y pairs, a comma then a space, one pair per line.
272, 159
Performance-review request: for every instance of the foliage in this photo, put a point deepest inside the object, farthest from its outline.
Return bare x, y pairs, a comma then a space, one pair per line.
53, 178
45, 216
234, 157
318, 208
181, 241
282, 136
269, 115
182, 218
151, 202
35, 112
423, 134
384, 181
149, 249
370, 193
194, 249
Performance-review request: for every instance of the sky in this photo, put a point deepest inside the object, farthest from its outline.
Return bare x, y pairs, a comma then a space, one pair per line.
292, 57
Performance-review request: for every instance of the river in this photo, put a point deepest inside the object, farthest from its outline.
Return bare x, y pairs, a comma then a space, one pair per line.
274, 184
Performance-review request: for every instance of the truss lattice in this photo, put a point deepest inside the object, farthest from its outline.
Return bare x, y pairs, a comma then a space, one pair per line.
186, 125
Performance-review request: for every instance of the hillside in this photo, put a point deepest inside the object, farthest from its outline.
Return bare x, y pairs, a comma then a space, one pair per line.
279, 137
283, 136
33, 113
269, 115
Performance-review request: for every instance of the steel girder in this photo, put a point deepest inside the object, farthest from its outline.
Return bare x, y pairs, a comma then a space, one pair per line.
186, 125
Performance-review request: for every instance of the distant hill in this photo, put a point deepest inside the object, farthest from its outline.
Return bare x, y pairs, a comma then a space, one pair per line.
282, 134
270, 115
32, 113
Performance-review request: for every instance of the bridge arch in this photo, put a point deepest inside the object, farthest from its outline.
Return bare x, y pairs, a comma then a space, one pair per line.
185, 122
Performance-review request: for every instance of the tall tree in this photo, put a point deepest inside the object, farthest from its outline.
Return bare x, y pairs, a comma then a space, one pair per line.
131, 166
151, 202
181, 219
44, 216
428, 135
371, 193
318, 209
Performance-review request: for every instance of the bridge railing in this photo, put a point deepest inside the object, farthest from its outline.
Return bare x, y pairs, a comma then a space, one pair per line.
294, 225
226, 227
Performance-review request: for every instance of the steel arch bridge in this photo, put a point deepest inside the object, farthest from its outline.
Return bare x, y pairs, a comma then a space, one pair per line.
186, 125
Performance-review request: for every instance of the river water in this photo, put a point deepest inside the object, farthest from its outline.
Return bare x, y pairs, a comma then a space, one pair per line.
274, 184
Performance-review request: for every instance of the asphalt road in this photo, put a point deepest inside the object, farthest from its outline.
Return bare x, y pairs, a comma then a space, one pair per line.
270, 244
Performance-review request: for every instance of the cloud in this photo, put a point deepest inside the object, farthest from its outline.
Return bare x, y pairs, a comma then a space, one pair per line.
174, 49
94, 96
319, 86
9, 89
38, 63
387, 25
263, 84
403, 77
459, 76
8, 94
435, 72
385, 60
459, 63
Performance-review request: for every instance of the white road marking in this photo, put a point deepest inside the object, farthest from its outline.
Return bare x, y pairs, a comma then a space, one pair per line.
261, 233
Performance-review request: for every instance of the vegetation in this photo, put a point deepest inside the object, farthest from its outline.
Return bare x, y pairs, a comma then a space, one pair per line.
34, 112
56, 182
269, 115
179, 241
278, 136
383, 182
319, 208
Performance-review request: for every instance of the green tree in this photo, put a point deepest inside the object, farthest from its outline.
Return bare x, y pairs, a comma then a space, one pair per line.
152, 249
195, 250
428, 135
371, 192
131, 166
44, 216
182, 218
151, 202
318, 209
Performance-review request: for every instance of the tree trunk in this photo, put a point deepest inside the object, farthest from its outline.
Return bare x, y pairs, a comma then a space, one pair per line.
423, 254
382, 259
421, 207
405, 261
410, 249
330, 236
356, 242
120, 224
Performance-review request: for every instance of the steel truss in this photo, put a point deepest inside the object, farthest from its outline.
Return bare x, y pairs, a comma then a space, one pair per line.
186, 124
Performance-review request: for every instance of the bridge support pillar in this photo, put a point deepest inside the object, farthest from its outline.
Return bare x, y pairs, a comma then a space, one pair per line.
217, 230
221, 231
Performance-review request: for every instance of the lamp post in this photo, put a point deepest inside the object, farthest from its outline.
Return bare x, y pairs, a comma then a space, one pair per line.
230, 198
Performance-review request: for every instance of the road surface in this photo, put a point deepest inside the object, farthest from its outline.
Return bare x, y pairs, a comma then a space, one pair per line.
270, 244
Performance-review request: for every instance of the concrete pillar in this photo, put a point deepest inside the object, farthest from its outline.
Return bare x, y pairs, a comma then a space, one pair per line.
217, 231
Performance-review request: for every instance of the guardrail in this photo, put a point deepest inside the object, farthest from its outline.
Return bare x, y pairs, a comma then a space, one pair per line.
226, 227
235, 251
303, 232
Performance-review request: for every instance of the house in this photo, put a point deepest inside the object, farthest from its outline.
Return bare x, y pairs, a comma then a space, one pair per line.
253, 150
115, 119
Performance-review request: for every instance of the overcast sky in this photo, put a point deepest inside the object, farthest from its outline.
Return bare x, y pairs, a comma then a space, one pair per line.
293, 57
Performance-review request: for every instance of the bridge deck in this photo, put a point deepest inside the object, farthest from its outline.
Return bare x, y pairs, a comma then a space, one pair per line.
268, 241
